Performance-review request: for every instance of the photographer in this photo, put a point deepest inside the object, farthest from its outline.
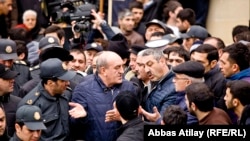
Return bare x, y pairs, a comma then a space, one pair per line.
75, 18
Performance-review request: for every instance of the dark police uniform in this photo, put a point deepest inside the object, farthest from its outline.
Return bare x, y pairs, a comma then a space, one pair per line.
31, 117
35, 71
7, 100
54, 108
55, 112
8, 52
25, 76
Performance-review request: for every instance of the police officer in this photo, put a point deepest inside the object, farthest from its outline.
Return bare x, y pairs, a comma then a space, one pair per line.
29, 123
50, 96
44, 43
8, 55
7, 100
48, 48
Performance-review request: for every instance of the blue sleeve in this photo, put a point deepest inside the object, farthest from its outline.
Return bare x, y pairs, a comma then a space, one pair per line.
107, 31
78, 96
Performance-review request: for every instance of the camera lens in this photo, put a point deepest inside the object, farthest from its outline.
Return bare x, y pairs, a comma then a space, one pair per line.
80, 27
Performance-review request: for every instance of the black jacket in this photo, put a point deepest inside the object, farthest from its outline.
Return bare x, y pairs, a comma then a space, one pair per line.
245, 116
217, 83
132, 130
9, 103
153, 11
14, 138
5, 136
23, 77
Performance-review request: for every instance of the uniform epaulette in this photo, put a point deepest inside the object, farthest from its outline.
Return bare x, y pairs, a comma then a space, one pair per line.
21, 62
34, 68
33, 98
81, 73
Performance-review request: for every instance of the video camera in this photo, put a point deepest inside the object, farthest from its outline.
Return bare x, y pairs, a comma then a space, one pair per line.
73, 10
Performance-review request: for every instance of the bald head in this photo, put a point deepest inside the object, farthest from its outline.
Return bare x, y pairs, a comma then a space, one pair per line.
109, 67
105, 58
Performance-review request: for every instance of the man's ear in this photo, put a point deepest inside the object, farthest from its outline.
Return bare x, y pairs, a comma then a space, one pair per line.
213, 63
17, 127
235, 102
193, 106
235, 67
62, 41
102, 70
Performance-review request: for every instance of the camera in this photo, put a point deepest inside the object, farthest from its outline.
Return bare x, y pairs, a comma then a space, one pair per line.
79, 26
73, 11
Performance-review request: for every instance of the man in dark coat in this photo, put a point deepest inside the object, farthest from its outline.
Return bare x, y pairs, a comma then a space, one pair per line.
7, 100
6, 6
128, 107
8, 53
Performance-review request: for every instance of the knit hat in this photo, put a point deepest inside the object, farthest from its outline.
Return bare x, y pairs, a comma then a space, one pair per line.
127, 104
119, 45
135, 49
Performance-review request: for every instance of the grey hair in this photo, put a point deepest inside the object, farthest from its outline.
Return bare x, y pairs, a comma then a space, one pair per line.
124, 13
156, 53
102, 59
29, 12
196, 80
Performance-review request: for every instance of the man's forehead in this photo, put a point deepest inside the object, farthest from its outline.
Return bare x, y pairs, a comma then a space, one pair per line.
147, 58
199, 55
173, 53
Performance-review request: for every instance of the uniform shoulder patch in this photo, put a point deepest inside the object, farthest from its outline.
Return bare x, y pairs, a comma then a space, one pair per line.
20, 62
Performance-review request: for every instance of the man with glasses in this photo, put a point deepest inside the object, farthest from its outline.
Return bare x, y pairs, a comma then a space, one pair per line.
185, 74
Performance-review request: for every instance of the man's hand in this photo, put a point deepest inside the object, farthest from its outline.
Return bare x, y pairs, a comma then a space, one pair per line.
76, 34
99, 17
77, 111
153, 117
112, 115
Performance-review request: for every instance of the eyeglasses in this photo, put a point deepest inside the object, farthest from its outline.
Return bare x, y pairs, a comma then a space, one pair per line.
176, 78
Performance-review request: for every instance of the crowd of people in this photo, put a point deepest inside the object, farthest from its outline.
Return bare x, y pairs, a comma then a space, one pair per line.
157, 64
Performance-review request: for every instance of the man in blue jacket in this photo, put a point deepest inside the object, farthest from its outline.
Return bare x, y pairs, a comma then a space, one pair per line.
162, 92
96, 94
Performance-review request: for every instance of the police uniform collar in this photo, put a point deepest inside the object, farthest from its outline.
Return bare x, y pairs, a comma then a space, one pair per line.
5, 98
21, 62
35, 67
81, 73
44, 92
